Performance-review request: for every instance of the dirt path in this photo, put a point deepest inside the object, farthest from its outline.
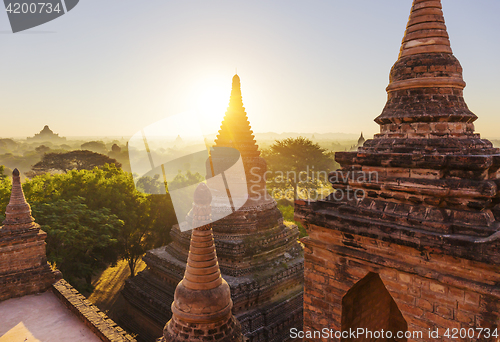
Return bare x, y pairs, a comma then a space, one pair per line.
106, 295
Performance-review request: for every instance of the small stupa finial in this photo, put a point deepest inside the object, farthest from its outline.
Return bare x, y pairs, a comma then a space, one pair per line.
18, 211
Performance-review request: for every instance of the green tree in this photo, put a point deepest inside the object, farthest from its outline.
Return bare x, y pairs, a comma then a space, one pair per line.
42, 149
161, 219
80, 240
181, 181
150, 185
297, 161
287, 212
5, 186
95, 146
74, 160
112, 188
2, 172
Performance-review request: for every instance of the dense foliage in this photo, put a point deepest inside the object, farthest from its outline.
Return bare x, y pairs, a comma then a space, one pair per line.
287, 212
74, 160
102, 204
297, 162
95, 146
79, 240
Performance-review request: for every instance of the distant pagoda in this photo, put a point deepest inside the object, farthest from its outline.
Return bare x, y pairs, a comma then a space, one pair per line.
360, 143
361, 140
46, 134
178, 140
259, 256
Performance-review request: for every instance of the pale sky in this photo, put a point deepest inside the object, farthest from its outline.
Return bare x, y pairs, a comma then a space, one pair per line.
110, 68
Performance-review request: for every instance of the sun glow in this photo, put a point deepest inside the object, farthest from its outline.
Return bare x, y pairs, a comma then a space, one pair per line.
212, 101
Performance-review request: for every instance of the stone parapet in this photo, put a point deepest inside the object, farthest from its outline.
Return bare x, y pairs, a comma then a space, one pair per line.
96, 320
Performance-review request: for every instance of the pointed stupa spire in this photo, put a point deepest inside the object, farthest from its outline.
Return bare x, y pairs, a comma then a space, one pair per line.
426, 83
202, 301
235, 130
18, 211
426, 31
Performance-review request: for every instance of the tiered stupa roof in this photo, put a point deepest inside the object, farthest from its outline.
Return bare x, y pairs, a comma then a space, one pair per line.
202, 301
235, 130
426, 82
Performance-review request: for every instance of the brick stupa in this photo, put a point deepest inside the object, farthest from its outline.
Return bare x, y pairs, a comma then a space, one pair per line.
258, 254
23, 264
411, 237
202, 305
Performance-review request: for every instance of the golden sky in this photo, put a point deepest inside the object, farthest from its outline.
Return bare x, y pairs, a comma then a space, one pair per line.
109, 68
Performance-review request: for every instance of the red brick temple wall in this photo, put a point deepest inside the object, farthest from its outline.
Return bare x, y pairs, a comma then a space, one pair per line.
432, 291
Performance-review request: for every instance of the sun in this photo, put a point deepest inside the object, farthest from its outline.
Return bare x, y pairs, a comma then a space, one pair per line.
212, 99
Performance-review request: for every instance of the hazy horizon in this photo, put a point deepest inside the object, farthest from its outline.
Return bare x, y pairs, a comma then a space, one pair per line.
282, 135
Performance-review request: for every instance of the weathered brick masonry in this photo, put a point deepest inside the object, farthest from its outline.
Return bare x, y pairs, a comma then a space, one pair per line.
410, 240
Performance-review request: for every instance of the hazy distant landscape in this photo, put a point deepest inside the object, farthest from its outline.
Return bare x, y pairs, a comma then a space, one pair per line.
22, 153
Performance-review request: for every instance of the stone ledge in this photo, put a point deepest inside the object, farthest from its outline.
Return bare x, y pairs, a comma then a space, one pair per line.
100, 324
330, 216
